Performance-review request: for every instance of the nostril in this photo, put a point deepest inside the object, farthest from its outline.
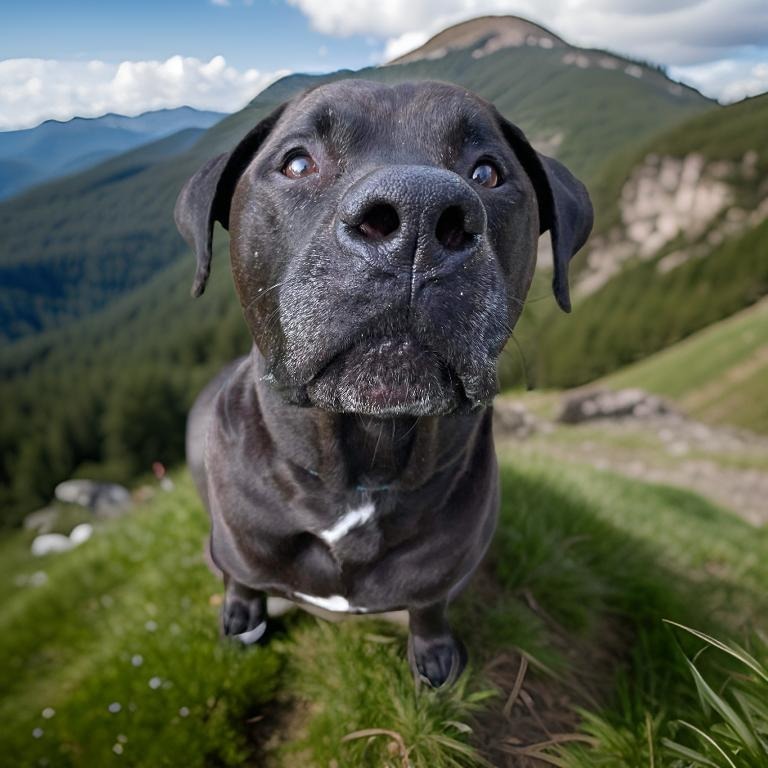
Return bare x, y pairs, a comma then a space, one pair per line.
450, 230
379, 222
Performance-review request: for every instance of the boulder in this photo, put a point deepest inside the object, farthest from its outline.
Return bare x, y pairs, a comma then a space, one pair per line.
49, 543
596, 404
511, 418
105, 499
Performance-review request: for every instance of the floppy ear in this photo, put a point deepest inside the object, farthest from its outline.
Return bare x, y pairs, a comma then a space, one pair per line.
564, 206
206, 197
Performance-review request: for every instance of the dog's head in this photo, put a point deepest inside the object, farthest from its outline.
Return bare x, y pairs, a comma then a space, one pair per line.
383, 240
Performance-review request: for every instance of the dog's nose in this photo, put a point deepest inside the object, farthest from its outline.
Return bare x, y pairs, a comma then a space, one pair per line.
411, 217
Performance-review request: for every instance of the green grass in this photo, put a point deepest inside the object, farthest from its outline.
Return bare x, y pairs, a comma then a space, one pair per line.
584, 568
715, 375
736, 730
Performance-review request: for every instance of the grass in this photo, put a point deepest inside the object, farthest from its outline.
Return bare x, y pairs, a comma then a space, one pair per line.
713, 373
113, 655
736, 731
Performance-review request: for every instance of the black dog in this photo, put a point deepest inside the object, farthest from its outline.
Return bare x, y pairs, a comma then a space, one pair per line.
383, 240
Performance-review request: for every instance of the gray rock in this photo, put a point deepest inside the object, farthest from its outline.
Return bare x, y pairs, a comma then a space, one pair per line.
51, 543
595, 404
511, 418
105, 499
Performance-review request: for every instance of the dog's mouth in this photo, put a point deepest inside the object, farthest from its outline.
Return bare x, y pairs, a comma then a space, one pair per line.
387, 377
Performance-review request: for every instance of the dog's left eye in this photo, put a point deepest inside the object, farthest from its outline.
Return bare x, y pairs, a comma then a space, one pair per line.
486, 174
299, 166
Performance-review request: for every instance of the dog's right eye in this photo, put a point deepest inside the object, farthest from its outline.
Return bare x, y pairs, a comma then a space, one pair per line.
299, 166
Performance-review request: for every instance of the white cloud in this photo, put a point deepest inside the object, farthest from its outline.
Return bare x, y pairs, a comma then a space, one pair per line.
32, 90
680, 33
408, 41
222, 3
729, 79
394, 17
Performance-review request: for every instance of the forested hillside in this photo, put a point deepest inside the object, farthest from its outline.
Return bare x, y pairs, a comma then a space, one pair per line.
684, 238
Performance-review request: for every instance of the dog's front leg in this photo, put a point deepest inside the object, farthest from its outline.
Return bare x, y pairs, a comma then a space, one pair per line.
436, 657
244, 613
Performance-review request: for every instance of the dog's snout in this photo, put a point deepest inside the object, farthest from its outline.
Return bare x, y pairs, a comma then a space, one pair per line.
411, 217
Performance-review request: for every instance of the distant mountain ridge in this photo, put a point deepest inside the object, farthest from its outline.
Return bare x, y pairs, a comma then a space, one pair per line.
55, 148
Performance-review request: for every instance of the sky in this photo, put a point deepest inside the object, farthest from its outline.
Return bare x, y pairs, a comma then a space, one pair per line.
59, 59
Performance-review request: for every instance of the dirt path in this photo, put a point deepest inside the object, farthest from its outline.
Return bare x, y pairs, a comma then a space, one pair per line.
729, 467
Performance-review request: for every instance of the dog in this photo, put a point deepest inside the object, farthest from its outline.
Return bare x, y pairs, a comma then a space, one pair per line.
382, 242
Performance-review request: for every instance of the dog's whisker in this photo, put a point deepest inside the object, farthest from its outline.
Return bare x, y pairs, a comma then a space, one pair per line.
523, 363
263, 293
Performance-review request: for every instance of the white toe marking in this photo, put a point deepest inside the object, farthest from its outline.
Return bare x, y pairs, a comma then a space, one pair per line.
252, 635
335, 603
349, 520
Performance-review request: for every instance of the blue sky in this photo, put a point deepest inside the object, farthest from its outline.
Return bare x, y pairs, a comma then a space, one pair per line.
60, 59
268, 34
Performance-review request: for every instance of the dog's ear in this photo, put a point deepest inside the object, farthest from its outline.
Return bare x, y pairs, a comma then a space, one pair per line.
206, 197
564, 206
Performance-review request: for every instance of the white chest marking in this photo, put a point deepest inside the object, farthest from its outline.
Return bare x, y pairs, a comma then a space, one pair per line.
335, 603
349, 520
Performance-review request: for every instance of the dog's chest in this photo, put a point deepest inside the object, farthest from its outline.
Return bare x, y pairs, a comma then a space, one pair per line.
358, 529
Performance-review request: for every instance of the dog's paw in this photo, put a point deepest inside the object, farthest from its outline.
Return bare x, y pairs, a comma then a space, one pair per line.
244, 620
437, 662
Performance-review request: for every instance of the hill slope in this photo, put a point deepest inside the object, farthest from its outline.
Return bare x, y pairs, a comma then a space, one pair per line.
583, 570
56, 148
684, 246
719, 374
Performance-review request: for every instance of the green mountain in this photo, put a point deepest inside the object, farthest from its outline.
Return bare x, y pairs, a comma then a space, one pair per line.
682, 242
107, 346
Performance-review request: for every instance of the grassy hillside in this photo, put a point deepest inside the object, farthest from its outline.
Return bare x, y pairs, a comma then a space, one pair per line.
691, 281
643, 311
109, 653
717, 375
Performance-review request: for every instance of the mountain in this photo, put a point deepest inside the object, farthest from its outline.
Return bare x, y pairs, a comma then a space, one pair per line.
103, 342
55, 148
484, 35
682, 242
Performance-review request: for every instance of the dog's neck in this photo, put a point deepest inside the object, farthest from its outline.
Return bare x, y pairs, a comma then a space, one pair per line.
365, 452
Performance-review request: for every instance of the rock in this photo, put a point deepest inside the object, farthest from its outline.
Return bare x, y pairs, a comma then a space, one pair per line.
595, 404
49, 543
106, 499
81, 533
511, 418
43, 520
